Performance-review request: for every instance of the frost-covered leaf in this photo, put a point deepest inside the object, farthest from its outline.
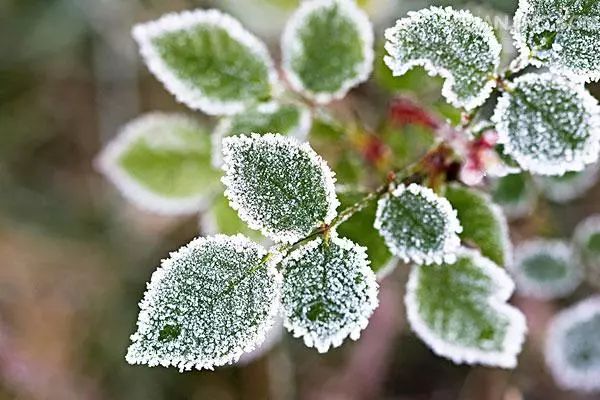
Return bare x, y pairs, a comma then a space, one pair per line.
272, 338
562, 35
515, 193
484, 224
208, 303
285, 119
207, 60
418, 225
327, 48
162, 163
221, 218
329, 292
359, 228
546, 269
587, 241
455, 44
460, 311
548, 125
570, 185
572, 347
278, 185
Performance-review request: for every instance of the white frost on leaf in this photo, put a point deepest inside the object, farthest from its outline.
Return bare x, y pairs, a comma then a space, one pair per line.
186, 91
546, 269
207, 304
448, 313
161, 133
293, 49
329, 292
572, 348
418, 225
585, 240
454, 44
278, 185
548, 124
272, 338
570, 186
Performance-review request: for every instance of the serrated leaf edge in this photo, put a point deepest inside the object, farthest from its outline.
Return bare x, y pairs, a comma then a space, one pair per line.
193, 97
289, 41
515, 335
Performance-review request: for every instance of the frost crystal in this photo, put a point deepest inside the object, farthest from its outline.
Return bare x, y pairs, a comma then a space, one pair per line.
562, 35
570, 186
418, 225
161, 162
208, 303
458, 46
207, 60
460, 311
572, 347
546, 269
278, 185
548, 124
327, 48
286, 119
587, 241
329, 292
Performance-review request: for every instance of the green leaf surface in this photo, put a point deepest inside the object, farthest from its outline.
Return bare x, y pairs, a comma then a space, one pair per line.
418, 225
329, 292
207, 60
586, 240
572, 348
548, 125
460, 311
546, 269
458, 46
208, 303
484, 225
278, 185
221, 218
161, 162
327, 48
561, 35
515, 193
359, 228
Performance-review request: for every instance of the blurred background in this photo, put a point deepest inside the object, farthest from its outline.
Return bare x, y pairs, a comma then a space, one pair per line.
75, 256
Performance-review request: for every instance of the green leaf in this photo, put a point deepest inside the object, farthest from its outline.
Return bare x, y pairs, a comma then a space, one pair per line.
572, 348
161, 162
278, 185
460, 311
359, 228
329, 292
221, 218
515, 193
546, 269
286, 119
207, 60
548, 125
587, 241
458, 46
561, 35
327, 48
483, 223
418, 225
211, 301
570, 185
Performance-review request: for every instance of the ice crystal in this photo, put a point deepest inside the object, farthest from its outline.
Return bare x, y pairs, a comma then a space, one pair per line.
286, 119
484, 224
329, 292
562, 35
460, 311
458, 46
549, 125
418, 225
327, 48
572, 347
161, 162
546, 269
207, 60
208, 303
569, 186
278, 185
